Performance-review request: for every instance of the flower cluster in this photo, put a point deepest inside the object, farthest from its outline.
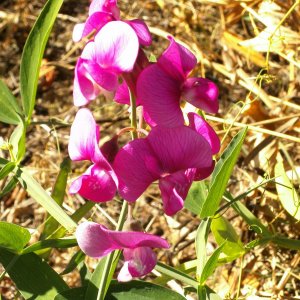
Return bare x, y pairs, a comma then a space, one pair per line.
174, 153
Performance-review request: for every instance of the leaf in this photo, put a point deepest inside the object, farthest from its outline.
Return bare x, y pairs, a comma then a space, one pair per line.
9, 187
7, 169
286, 192
205, 293
35, 190
201, 240
13, 237
76, 259
33, 52
221, 174
58, 195
196, 197
72, 294
10, 111
17, 140
286, 242
225, 233
211, 264
34, 278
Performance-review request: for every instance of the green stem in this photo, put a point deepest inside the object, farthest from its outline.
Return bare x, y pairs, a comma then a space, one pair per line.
133, 115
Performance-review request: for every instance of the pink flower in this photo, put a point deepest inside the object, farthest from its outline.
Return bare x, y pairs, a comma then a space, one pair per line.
161, 86
102, 12
173, 156
99, 182
113, 51
96, 240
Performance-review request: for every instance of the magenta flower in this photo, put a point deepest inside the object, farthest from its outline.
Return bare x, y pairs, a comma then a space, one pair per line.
99, 182
162, 85
102, 12
173, 156
96, 240
113, 51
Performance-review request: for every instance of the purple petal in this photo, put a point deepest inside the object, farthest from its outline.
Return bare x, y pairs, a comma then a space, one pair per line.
203, 128
141, 261
141, 31
122, 95
97, 184
202, 173
174, 189
109, 6
177, 60
110, 149
136, 168
117, 47
201, 93
96, 240
84, 138
160, 96
179, 148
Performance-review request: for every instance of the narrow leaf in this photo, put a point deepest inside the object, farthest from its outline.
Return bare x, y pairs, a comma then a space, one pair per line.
9, 186
13, 237
17, 140
222, 174
76, 259
34, 278
33, 53
196, 197
36, 191
10, 111
7, 169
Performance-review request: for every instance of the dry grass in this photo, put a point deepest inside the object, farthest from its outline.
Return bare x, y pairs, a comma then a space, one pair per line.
251, 50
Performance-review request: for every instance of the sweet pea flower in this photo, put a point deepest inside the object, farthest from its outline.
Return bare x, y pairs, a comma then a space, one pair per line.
97, 241
113, 51
99, 182
102, 12
162, 85
173, 156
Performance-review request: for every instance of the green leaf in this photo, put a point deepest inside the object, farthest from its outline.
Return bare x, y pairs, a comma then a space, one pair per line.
13, 237
222, 174
9, 186
36, 191
225, 233
196, 197
34, 278
58, 195
17, 140
33, 52
205, 293
286, 192
201, 240
211, 264
10, 111
286, 242
76, 259
7, 169
72, 294
52, 243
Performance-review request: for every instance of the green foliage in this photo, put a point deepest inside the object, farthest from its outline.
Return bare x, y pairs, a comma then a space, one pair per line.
33, 53
34, 278
196, 197
13, 237
221, 174
17, 140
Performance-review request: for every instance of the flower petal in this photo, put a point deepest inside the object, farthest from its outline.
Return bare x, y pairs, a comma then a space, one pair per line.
201, 93
109, 6
136, 168
160, 95
179, 148
84, 138
122, 95
97, 241
177, 60
141, 31
141, 261
174, 189
202, 173
96, 184
203, 128
77, 32
117, 47
124, 274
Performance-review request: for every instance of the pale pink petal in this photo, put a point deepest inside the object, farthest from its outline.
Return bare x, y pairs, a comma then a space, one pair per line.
109, 6
122, 95
160, 96
124, 275
96, 184
94, 22
174, 189
117, 47
141, 31
77, 32
78, 97
203, 128
201, 93
141, 260
96, 240
177, 60
136, 168
179, 148
84, 138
